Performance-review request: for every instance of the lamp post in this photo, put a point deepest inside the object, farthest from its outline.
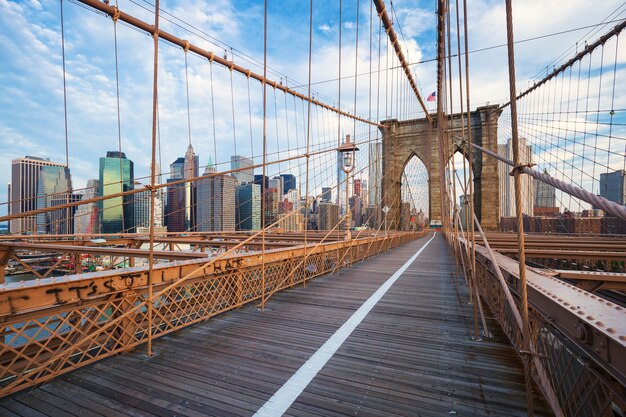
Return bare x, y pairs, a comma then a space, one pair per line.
348, 149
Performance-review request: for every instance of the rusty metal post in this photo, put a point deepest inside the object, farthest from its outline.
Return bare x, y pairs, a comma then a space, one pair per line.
155, 37
518, 208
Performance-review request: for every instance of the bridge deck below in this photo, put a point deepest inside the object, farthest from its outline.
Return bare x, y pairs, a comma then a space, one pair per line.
411, 355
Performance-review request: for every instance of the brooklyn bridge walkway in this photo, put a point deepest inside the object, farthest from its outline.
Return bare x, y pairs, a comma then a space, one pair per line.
340, 346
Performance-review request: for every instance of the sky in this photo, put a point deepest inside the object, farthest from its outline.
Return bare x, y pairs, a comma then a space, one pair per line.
31, 74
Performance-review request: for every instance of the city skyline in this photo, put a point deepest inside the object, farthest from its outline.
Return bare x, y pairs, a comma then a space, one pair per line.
54, 179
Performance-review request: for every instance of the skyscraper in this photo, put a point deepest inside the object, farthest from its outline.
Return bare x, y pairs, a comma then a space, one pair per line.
175, 207
545, 194
248, 207
278, 183
86, 215
289, 182
116, 175
375, 173
262, 180
176, 198
23, 195
293, 196
271, 198
141, 202
177, 169
613, 186
54, 189
507, 188
341, 184
238, 164
216, 202
191, 170
328, 216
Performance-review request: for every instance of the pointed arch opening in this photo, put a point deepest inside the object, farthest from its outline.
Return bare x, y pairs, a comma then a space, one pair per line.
415, 198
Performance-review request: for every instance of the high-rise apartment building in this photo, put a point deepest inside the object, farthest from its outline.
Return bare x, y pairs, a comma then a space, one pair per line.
216, 202
507, 188
25, 180
116, 175
328, 216
248, 207
142, 209
240, 165
271, 198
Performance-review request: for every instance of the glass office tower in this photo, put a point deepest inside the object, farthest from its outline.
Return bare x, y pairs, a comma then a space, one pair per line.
54, 189
116, 175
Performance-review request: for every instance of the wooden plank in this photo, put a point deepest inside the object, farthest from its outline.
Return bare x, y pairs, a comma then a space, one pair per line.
412, 355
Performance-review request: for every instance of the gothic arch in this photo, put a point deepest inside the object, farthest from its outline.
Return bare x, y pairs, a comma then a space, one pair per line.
403, 139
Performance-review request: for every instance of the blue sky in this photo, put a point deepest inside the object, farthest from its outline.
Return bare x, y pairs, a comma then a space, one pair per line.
31, 89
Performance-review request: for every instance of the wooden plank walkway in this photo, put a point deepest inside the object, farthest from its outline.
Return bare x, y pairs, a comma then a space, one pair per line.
412, 355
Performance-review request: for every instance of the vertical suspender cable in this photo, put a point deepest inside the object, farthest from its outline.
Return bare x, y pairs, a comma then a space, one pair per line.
518, 207
308, 140
339, 128
67, 163
469, 224
263, 208
119, 123
67, 158
155, 37
213, 113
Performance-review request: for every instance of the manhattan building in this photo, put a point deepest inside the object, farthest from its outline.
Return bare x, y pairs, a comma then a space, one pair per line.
86, 215
54, 189
375, 173
613, 186
241, 167
33, 180
289, 182
507, 187
116, 214
190, 170
545, 194
248, 207
328, 216
216, 202
176, 198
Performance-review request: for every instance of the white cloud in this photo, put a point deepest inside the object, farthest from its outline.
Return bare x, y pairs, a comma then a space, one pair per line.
31, 39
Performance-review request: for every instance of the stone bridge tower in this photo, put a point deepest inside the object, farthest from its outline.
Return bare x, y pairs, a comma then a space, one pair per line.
403, 140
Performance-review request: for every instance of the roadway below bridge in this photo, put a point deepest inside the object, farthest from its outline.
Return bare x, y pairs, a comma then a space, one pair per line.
388, 336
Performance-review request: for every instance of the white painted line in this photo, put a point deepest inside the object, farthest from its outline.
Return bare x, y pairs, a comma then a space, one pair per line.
287, 394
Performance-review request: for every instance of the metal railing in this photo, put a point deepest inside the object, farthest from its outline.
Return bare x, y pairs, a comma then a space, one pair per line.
55, 325
578, 369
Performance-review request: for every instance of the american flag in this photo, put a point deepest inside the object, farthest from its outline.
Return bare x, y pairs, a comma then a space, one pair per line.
432, 96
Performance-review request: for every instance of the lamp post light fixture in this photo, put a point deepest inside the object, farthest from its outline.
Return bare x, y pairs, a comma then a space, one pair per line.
348, 150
